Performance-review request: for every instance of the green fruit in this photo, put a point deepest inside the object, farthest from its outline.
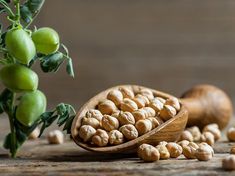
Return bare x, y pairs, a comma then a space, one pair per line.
20, 45
31, 106
18, 78
46, 40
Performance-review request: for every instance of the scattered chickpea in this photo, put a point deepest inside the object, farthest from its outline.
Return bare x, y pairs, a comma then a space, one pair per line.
196, 133
167, 112
127, 92
129, 131
143, 126
34, 134
164, 153
148, 153
115, 137
126, 118
139, 114
232, 151
214, 129
91, 121
154, 121
183, 143
186, 135
101, 138
163, 143
141, 100
93, 113
107, 107
128, 105
208, 137
86, 132
174, 149
109, 123
231, 134
148, 93
174, 102
156, 104
55, 137
190, 150
228, 163
204, 152
115, 96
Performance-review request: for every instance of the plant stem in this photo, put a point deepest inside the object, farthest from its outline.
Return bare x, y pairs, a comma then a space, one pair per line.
13, 149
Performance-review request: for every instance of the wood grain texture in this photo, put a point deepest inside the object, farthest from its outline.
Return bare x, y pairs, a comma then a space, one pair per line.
168, 131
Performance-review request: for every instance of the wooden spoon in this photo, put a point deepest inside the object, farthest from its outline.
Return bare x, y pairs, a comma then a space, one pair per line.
206, 104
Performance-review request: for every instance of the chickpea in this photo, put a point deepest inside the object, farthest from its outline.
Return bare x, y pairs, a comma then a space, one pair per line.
115, 137
190, 150
93, 113
150, 112
148, 153
127, 92
163, 143
115, 96
196, 133
116, 113
107, 107
162, 100
174, 149
91, 121
34, 134
141, 100
164, 153
126, 118
232, 151
204, 152
109, 123
129, 131
148, 93
208, 137
174, 102
183, 143
101, 138
167, 112
128, 105
186, 135
143, 126
86, 132
231, 134
55, 137
214, 129
228, 163
154, 121
139, 114
156, 104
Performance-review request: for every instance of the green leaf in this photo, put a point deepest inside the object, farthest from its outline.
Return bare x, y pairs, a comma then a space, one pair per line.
7, 141
52, 62
69, 67
5, 100
68, 124
26, 14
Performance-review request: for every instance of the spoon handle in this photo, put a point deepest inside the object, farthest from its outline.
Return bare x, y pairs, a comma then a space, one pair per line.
207, 104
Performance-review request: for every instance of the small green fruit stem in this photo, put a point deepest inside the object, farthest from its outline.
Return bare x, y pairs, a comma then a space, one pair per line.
11, 117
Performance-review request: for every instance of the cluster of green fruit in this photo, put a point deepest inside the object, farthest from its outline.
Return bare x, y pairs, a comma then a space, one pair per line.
18, 78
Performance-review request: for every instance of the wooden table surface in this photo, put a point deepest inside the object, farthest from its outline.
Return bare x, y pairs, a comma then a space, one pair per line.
39, 158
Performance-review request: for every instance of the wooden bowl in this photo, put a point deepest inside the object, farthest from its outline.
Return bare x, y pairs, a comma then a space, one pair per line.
167, 131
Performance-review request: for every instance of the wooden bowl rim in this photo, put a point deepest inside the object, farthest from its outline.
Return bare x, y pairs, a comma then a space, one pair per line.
127, 144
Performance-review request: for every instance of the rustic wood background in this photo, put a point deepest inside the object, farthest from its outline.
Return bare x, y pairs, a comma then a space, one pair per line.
167, 45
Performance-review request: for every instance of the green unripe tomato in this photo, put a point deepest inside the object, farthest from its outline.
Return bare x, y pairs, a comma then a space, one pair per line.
19, 78
46, 40
31, 106
20, 45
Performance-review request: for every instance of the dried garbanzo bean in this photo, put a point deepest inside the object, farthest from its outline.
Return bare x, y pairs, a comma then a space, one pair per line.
156, 104
91, 121
148, 153
115, 137
231, 134
107, 107
128, 105
127, 92
174, 149
150, 112
109, 123
186, 135
167, 112
141, 100
148, 93
86, 132
183, 143
94, 113
139, 114
164, 153
190, 150
208, 137
101, 138
214, 129
154, 121
126, 118
129, 131
228, 163
196, 133
143, 126
204, 152
174, 102
55, 137
115, 96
